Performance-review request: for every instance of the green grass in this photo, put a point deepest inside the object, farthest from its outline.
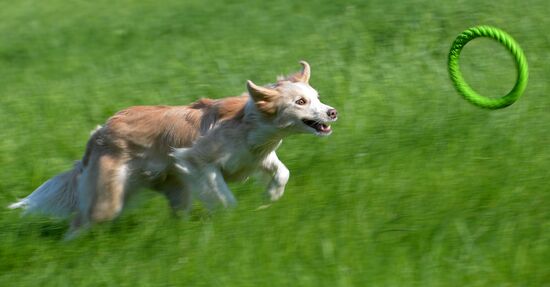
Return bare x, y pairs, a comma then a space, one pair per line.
416, 187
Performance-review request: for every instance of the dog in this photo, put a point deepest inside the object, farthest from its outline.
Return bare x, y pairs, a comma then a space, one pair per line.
185, 152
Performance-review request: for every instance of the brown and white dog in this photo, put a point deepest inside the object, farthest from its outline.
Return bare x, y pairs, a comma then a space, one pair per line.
183, 151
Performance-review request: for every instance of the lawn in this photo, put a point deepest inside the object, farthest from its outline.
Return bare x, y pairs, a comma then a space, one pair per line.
415, 187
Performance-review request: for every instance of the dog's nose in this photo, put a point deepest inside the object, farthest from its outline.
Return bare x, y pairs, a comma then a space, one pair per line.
332, 113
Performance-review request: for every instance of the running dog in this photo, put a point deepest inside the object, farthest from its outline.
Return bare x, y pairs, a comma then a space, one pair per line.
182, 151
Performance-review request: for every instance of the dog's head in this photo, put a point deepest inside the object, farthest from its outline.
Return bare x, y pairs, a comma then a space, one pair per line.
293, 105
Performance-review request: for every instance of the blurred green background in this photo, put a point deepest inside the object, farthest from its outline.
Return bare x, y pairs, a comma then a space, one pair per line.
416, 187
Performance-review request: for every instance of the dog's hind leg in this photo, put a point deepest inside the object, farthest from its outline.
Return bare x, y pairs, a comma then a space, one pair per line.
87, 184
179, 197
112, 183
101, 192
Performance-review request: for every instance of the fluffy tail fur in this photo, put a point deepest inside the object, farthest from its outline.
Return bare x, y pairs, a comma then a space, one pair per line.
57, 196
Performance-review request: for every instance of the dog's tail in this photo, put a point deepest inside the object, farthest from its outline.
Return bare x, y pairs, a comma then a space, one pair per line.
57, 196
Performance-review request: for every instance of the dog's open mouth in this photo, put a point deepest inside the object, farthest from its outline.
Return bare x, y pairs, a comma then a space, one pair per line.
319, 127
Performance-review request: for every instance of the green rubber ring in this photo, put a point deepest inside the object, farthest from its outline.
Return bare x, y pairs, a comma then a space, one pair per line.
465, 90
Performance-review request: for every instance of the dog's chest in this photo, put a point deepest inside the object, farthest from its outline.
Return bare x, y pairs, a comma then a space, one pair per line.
239, 166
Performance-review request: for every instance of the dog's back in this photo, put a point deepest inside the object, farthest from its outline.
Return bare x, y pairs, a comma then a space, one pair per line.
165, 127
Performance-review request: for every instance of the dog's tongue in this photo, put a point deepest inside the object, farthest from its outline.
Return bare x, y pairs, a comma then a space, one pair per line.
324, 128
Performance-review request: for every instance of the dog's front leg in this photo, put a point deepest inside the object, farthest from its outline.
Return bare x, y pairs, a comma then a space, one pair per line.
204, 180
213, 189
279, 176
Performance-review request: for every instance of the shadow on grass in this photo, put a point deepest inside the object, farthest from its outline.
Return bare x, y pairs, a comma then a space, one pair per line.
132, 222
43, 228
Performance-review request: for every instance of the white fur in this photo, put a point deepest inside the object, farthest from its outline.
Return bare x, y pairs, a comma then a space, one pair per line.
272, 165
236, 149
54, 197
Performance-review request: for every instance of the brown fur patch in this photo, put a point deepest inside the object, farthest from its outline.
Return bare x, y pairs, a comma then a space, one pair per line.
293, 78
264, 97
111, 181
232, 107
267, 107
163, 127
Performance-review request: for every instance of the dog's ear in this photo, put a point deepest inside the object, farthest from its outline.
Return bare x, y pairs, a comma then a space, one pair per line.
259, 92
303, 76
263, 97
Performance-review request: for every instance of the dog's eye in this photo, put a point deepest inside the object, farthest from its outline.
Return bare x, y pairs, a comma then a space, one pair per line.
301, 102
